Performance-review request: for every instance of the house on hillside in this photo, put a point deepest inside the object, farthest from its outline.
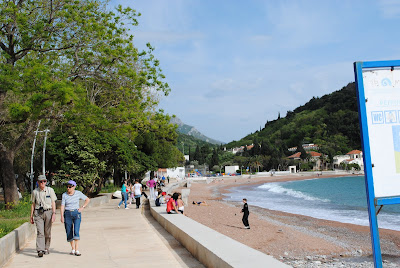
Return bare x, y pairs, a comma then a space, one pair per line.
241, 149
315, 157
337, 159
352, 157
307, 147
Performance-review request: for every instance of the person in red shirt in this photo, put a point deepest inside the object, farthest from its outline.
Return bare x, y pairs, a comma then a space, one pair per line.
171, 205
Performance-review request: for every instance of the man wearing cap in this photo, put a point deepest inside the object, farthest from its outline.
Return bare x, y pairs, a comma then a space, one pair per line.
43, 214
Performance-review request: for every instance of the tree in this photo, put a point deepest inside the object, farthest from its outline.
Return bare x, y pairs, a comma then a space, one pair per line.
214, 158
56, 52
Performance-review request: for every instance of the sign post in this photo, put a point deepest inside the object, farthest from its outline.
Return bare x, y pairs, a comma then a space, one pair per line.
378, 95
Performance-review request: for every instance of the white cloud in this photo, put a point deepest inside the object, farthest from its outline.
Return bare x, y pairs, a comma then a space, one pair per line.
390, 8
260, 39
302, 23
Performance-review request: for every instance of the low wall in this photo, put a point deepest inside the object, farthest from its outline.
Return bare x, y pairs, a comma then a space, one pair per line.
15, 240
211, 248
94, 202
99, 200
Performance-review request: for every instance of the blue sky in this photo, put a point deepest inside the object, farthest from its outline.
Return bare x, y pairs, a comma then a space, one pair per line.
233, 65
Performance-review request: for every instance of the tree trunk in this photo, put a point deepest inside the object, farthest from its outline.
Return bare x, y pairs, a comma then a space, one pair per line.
8, 177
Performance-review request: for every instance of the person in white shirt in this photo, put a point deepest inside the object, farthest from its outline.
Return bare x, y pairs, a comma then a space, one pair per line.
137, 191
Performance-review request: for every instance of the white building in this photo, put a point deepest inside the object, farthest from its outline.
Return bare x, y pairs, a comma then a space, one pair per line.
231, 169
352, 157
178, 172
337, 159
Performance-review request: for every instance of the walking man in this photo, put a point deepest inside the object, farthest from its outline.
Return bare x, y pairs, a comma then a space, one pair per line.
43, 214
245, 211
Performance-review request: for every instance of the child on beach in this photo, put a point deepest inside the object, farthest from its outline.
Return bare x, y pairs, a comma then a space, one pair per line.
245, 211
180, 204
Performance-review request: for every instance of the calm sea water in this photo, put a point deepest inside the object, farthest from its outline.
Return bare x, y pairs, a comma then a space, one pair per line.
339, 199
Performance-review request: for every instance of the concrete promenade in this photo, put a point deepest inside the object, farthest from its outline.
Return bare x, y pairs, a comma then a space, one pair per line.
110, 237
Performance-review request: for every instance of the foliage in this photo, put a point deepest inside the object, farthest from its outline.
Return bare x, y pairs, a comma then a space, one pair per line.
11, 219
73, 65
331, 122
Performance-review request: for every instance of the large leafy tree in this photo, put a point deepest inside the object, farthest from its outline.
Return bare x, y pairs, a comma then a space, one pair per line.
58, 55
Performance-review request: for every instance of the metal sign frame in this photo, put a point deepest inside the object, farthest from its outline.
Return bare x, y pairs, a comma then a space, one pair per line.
372, 201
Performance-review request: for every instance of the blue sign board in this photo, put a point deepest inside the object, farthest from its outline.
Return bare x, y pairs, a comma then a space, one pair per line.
378, 95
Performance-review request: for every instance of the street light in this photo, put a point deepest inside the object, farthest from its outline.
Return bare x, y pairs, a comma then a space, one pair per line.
33, 153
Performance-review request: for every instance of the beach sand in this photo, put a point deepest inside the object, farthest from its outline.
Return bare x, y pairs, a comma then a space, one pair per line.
297, 240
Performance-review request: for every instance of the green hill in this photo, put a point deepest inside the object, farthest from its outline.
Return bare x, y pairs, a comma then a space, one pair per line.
330, 121
190, 143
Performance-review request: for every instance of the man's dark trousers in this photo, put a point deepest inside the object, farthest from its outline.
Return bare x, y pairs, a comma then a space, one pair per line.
245, 219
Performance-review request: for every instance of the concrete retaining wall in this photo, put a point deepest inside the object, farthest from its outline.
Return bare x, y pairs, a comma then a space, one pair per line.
15, 240
97, 201
211, 248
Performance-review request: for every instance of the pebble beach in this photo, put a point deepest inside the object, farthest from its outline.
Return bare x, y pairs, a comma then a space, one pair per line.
297, 240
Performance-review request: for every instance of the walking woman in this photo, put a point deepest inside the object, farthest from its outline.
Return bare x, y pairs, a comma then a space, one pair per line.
152, 184
137, 190
71, 214
124, 195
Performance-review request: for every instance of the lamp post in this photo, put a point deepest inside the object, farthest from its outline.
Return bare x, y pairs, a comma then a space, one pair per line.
33, 153
44, 150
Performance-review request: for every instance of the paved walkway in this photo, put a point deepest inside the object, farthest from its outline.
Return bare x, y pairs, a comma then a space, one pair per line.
110, 237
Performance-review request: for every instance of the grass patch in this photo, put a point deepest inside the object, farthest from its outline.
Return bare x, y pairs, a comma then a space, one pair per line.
11, 219
110, 188
8, 225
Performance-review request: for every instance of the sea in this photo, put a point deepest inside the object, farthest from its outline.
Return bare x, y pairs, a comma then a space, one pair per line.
341, 199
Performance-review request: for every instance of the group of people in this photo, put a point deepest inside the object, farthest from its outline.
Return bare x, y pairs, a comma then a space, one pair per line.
154, 184
129, 191
175, 203
43, 214
135, 191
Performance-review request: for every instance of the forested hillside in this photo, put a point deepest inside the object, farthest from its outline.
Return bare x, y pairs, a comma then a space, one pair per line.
330, 121
190, 143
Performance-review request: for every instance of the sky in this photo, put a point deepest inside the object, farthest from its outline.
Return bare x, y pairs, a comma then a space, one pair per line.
234, 65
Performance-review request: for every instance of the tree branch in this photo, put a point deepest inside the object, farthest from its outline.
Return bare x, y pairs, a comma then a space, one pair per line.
24, 135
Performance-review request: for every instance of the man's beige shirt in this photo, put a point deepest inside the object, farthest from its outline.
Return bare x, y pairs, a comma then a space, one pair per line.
43, 197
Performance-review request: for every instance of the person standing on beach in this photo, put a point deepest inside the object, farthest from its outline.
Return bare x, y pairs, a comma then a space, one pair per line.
245, 211
43, 213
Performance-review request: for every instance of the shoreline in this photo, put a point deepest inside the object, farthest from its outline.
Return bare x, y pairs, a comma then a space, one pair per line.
295, 239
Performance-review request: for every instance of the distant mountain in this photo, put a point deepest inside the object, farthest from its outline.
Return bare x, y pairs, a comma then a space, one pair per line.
192, 131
